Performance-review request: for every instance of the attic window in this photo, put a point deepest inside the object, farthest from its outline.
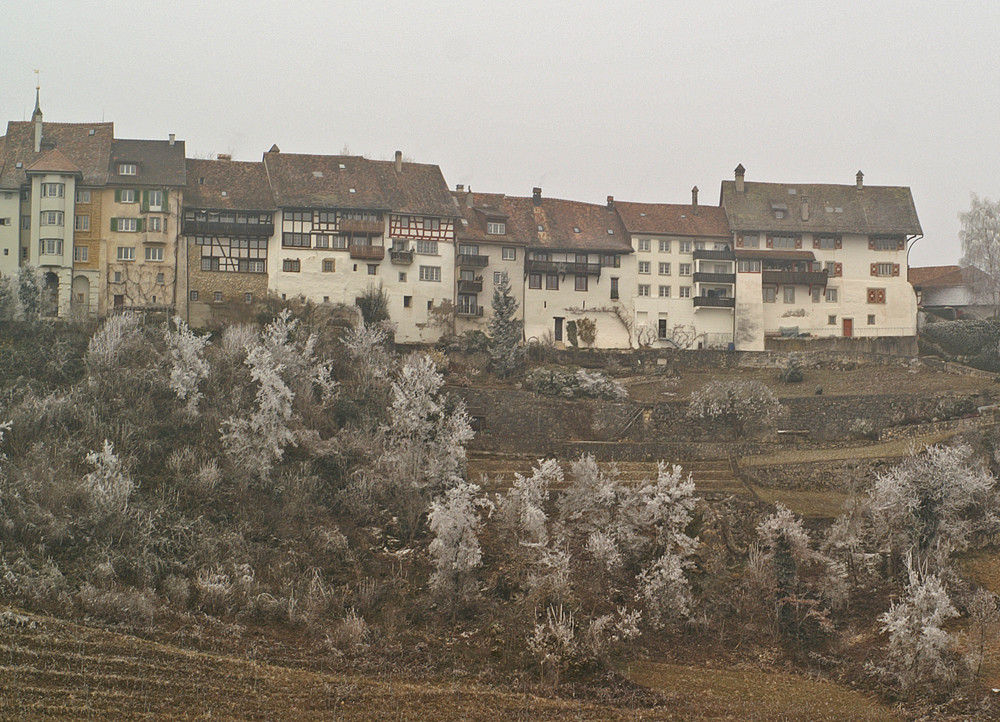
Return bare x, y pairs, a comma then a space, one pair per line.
128, 169
643, 215
465, 222
19, 164
201, 181
780, 210
838, 210
792, 191
829, 209
342, 166
611, 232
225, 193
541, 228
576, 229
352, 190
496, 228
317, 174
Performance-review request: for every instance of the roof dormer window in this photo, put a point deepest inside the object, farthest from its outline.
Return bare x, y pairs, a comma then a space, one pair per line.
780, 210
128, 169
576, 229
496, 228
611, 232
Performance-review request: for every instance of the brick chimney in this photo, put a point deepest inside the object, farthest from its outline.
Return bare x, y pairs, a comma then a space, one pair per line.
459, 187
805, 206
611, 203
468, 198
860, 179
694, 200
399, 161
536, 196
740, 172
171, 139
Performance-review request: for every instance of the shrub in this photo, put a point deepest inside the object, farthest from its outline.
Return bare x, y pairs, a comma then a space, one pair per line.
558, 381
586, 330
862, 429
739, 403
792, 373
374, 304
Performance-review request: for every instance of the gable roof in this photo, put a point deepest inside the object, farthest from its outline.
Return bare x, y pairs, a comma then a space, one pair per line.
874, 209
943, 276
556, 224
53, 162
161, 163
87, 146
338, 181
244, 184
673, 219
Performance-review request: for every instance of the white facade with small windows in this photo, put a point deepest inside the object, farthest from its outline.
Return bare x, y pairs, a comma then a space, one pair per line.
10, 219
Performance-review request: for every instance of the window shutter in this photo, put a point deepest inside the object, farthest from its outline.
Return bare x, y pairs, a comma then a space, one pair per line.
815, 242
839, 270
140, 224
895, 269
840, 243
871, 243
145, 201
165, 206
118, 195
739, 241
114, 222
798, 241
770, 241
874, 271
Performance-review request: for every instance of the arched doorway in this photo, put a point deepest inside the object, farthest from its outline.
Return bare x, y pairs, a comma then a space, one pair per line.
50, 294
81, 296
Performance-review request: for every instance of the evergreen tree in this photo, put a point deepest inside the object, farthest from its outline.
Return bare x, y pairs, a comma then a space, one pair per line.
505, 332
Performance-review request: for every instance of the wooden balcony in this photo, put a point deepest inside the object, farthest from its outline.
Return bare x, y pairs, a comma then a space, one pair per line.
472, 260
469, 311
230, 230
368, 253
714, 302
705, 255
589, 269
794, 278
470, 286
715, 278
403, 258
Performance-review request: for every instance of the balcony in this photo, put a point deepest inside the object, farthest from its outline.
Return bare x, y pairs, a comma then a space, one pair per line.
471, 286
368, 253
794, 278
589, 269
231, 230
471, 260
702, 254
401, 257
714, 302
715, 277
470, 310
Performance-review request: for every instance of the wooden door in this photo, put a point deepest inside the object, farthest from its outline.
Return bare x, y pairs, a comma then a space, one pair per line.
848, 327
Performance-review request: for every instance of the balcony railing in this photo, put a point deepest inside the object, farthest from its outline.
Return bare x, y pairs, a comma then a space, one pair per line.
470, 286
701, 277
471, 260
702, 254
401, 257
794, 278
714, 302
368, 253
534, 266
213, 228
469, 310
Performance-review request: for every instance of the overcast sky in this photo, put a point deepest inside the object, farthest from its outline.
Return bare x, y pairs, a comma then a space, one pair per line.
640, 100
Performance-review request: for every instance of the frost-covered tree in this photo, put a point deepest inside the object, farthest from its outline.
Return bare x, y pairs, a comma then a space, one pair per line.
29, 293
523, 507
933, 504
919, 646
505, 332
738, 403
980, 236
108, 484
188, 365
984, 618
111, 341
455, 550
553, 641
8, 298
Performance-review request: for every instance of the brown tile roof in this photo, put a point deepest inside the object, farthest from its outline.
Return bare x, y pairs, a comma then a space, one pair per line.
86, 145
53, 162
674, 219
330, 181
485, 207
943, 276
244, 183
923, 274
160, 163
875, 209
559, 221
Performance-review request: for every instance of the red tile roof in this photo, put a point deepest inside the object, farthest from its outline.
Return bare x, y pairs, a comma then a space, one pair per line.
557, 224
486, 207
674, 219
86, 145
53, 162
943, 276
244, 184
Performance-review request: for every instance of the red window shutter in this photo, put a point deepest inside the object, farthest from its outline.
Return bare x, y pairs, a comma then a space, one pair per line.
770, 241
901, 244
871, 295
739, 241
871, 244
815, 242
881, 295
874, 271
839, 270
895, 269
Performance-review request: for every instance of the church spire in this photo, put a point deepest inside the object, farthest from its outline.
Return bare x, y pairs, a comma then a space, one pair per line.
36, 117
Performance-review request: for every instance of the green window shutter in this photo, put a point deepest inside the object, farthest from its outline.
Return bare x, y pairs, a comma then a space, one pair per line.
165, 206
114, 224
140, 224
118, 196
145, 201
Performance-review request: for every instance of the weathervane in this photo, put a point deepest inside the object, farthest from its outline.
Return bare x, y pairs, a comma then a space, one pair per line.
37, 80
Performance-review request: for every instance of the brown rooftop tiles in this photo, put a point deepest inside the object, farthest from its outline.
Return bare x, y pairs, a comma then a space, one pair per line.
86, 145
53, 162
227, 185
160, 162
674, 219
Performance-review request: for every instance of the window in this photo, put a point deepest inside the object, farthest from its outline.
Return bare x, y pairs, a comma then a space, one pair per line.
155, 223
664, 269
644, 266
407, 301
4, 221
834, 270
81, 254
430, 273
296, 240
127, 169
194, 295
340, 242
886, 243
643, 290
885, 269
643, 244
551, 282
402, 276
256, 266
53, 190
534, 280
126, 195
748, 266
611, 261
496, 228
499, 278
217, 296
684, 292
788, 294
126, 225
783, 241
664, 246
581, 283
328, 265
118, 277
831, 295
871, 319
699, 245
826, 243
816, 294
876, 295
664, 292
26, 223
831, 320
769, 293
126, 253
154, 253
159, 278
52, 218
321, 240
51, 247
373, 269
684, 269
291, 265
685, 246
427, 248
661, 328
748, 240
83, 196
156, 200
508, 253
81, 223
432, 224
